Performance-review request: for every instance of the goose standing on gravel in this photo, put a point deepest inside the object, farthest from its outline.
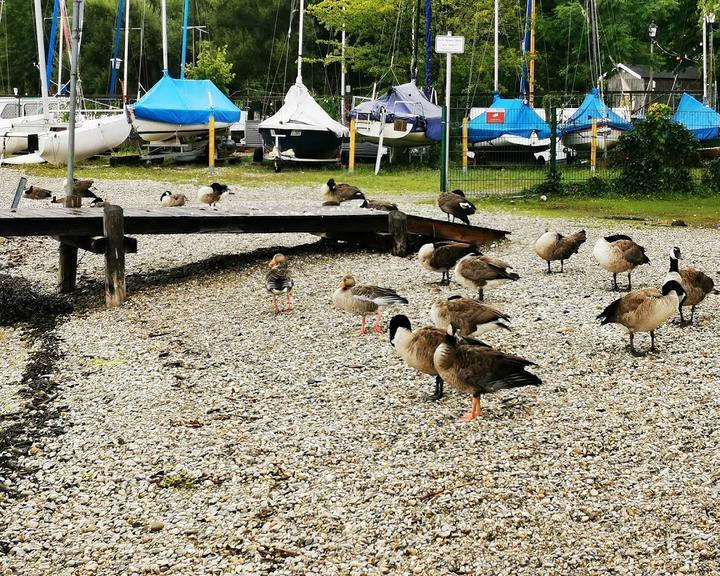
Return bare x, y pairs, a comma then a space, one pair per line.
364, 300
456, 205
81, 188
470, 317
36, 193
479, 370
478, 272
417, 348
618, 253
383, 205
336, 193
696, 284
169, 200
279, 281
210, 195
442, 257
554, 246
644, 310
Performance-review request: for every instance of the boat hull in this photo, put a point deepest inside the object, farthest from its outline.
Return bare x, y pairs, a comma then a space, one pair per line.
154, 131
512, 143
581, 140
14, 133
91, 138
301, 144
400, 133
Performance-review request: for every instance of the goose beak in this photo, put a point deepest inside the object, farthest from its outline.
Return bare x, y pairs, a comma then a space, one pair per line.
272, 263
341, 285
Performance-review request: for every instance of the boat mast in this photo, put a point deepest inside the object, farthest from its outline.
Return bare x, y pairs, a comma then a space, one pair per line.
415, 34
186, 9
41, 57
77, 8
525, 50
342, 77
428, 48
163, 16
497, 54
531, 87
60, 46
298, 80
116, 48
125, 52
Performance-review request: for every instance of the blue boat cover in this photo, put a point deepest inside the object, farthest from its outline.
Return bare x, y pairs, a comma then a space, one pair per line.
701, 120
186, 102
507, 116
594, 107
406, 102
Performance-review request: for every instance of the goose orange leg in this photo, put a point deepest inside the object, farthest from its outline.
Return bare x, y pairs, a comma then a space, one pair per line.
363, 329
475, 411
289, 302
377, 326
274, 304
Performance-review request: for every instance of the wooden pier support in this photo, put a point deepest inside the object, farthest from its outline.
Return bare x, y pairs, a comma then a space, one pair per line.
114, 229
397, 223
67, 271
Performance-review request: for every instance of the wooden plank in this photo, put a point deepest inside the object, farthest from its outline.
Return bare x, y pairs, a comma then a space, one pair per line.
113, 225
440, 230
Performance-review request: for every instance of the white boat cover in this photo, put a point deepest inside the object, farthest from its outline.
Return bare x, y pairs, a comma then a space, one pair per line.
301, 112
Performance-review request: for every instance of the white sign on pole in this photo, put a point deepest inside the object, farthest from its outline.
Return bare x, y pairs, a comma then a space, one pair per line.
449, 44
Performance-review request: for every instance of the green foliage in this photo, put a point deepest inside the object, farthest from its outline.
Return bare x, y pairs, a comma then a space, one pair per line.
655, 158
711, 176
212, 64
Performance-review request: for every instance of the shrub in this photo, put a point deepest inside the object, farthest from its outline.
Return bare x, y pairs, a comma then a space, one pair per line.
711, 175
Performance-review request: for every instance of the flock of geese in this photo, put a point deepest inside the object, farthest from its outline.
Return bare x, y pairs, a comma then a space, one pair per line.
450, 350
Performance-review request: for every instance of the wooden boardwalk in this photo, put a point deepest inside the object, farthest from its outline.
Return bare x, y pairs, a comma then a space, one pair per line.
105, 231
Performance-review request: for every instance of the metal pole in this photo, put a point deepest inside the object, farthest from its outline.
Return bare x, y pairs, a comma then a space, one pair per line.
652, 51
60, 45
342, 78
448, 74
593, 146
704, 44
351, 159
711, 66
443, 145
125, 52
41, 57
163, 16
300, 41
553, 141
77, 6
497, 53
531, 88
465, 144
183, 55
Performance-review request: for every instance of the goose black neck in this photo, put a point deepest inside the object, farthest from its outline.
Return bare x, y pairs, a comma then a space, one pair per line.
673, 264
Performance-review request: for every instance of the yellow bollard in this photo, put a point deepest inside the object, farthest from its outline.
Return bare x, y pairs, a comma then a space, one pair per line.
351, 160
593, 146
465, 143
211, 146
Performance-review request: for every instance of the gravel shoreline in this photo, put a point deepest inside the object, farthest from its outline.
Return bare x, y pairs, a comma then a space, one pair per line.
204, 434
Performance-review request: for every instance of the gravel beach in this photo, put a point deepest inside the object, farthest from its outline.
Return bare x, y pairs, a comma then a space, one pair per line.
193, 431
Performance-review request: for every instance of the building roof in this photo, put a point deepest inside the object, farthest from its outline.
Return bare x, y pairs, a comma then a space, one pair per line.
643, 71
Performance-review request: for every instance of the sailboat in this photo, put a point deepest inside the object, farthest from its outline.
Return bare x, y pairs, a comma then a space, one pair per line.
301, 131
702, 121
404, 116
577, 132
511, 124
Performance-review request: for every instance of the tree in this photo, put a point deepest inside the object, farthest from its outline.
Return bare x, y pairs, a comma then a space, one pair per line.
212, 65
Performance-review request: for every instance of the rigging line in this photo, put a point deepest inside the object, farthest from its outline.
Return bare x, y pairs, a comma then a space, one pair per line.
472, 63
272, 48
567, 52
142, 47
7, 59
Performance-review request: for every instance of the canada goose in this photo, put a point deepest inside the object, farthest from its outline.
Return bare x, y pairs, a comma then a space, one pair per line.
279, 281
383, 205
644, 310
99, 203
417, 348
553, 246
333, 192
210, 195
36, 193
454, 204
81, 188
470, 317
618, 253
442, 256
696, 284
480, 370
478, 272
168, 199
57, 200
365, 300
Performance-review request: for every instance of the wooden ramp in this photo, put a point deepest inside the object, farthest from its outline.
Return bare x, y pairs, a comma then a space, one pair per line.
104, 231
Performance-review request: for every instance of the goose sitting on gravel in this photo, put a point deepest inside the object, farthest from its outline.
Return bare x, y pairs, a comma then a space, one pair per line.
417, 348
644, 310
383, 205
479, 370
442, 257
210, 195
618, 253
478, 272
696, 284
364, 300
336, 193
36, 193
169, 200
279, 281
554, 246
456, 205
470, 317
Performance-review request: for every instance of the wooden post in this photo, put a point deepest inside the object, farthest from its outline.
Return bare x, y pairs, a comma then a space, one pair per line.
67, 272
465, 143
397, 223
211, 146
72, 200
114, 229
351, 160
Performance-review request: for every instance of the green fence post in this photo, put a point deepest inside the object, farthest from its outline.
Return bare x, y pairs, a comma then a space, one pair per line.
443, 144
553, 143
